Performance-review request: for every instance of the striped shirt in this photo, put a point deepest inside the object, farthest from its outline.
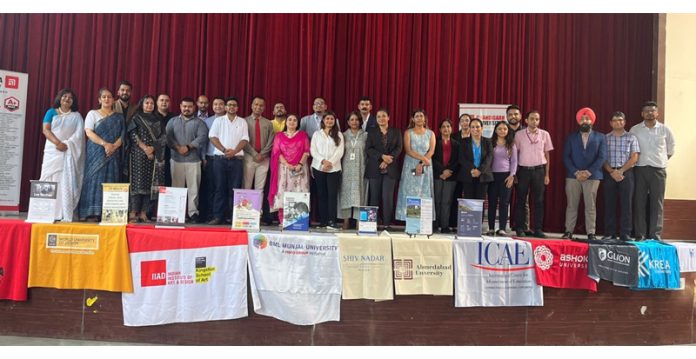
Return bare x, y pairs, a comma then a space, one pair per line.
620, 148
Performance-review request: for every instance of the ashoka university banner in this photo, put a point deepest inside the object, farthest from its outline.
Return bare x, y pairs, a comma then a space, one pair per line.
562, 264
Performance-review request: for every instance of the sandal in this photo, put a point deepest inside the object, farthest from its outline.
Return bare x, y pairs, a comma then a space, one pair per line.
501, 233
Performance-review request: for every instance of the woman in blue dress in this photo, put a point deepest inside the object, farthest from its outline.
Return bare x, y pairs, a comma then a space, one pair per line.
417, 171
105, 130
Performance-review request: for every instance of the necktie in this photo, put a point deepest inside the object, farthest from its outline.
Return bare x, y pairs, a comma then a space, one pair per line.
257, 138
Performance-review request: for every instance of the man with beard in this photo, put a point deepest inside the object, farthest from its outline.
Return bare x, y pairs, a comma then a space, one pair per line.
279, 116
122, 105
164, 115
657, 147
368, 119
311, 123
202, 104
514, 118
208, 178
187, 136
584, 153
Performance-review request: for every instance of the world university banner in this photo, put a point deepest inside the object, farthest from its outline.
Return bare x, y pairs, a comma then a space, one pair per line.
190, 275
366, 264
658, 266
687, 256
80, 256
615, 261
562, 264
495, 273
15, 236
295, 278
422, 265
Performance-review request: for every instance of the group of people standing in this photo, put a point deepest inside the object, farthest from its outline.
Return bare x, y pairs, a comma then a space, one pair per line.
213, 154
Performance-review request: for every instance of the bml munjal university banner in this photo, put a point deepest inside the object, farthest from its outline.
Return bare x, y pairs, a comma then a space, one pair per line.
295, 278
190, 275
495, 273
13, 111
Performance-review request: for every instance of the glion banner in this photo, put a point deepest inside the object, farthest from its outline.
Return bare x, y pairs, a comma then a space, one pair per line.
615, 261
495, 273
187, 275
295, 278
366, 265
422, 265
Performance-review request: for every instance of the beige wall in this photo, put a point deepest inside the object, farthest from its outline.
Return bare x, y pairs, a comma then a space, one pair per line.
680, 104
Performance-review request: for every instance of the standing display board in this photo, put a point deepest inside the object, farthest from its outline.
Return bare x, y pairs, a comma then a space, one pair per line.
13, 109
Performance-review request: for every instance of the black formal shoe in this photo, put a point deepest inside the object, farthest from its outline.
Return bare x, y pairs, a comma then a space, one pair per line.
624, 238
528, 233
539, 234
656, 237
520, 233
639, 238
445, 230
591, 237
610, 236
215, 222
567, 235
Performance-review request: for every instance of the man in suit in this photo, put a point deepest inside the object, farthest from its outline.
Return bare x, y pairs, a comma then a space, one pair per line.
258, 151
368, 119
584, 153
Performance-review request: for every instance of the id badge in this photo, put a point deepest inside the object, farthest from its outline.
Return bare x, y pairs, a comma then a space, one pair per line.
352, 156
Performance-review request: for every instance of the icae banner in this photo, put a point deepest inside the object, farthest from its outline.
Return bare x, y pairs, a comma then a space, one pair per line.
495, 272
366, 264
294, 277
190, 275
562, 264
422, 265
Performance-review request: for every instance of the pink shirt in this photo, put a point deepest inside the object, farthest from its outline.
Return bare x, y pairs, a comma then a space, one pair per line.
531, 147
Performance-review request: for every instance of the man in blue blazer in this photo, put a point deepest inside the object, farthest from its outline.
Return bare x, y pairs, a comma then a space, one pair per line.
584, 153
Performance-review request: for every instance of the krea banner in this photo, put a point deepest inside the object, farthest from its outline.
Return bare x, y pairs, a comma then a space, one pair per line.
494, 273
658, 266
191, 275
295, 278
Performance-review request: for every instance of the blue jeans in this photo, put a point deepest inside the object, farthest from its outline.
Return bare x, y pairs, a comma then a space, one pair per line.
228, 174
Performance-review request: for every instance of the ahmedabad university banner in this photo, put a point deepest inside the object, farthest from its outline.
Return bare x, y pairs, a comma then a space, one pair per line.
489, 114
495, 272
295, 278
14, 259
422, 265
13, 109
189, 275
80, 256
366, 264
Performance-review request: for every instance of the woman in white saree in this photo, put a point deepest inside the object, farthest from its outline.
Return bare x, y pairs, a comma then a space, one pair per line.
64, 160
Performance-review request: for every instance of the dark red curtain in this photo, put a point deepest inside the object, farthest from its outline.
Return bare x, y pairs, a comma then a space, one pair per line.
556, 63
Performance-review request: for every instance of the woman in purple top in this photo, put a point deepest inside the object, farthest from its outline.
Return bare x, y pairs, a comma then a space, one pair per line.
504, 168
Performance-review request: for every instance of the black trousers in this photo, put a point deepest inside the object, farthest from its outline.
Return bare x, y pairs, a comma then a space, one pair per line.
327, 193
207, 193
382, 195
530, 178
498, 197
475, 189
620, 193
444, 194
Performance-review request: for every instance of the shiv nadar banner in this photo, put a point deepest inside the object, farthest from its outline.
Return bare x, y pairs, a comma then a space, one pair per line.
366, 264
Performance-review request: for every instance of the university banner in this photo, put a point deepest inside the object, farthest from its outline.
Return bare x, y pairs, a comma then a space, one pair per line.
495, 273
366, 264
13, 111
615, 261
190, 275
658, 266
687, 255
562, 264
15, 236
80, 256
422, 265
295, 277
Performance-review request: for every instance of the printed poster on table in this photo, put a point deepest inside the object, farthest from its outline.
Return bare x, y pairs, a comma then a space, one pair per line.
495, 273
366, 265
13, 109
658, 265
562, 264
42, 202
80, 256
115, 204
419, 215
469, 217
296, 211
686, 251
191, 275
615, 261
171, 207
367, 222
294, 277
490, 114
422, 265
15, 238
247, 209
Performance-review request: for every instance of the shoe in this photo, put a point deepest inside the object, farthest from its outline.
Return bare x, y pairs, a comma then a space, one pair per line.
539, 234
445, 230
520, 233
489, 233
332, 227
388, 228
610, 236
591, 237
501, 233
624, 238
194, 219
215, 222
639, 238
567, 235
656, 237
528, 233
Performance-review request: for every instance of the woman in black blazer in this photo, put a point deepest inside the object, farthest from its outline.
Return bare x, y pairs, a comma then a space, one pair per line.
477, 157
445, 168
383, 146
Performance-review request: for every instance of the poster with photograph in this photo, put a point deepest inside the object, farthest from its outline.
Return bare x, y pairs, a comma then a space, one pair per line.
171, 207
469, 217
419, 215
296, 211
246, 213
115, 204
367, 223
42, 202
